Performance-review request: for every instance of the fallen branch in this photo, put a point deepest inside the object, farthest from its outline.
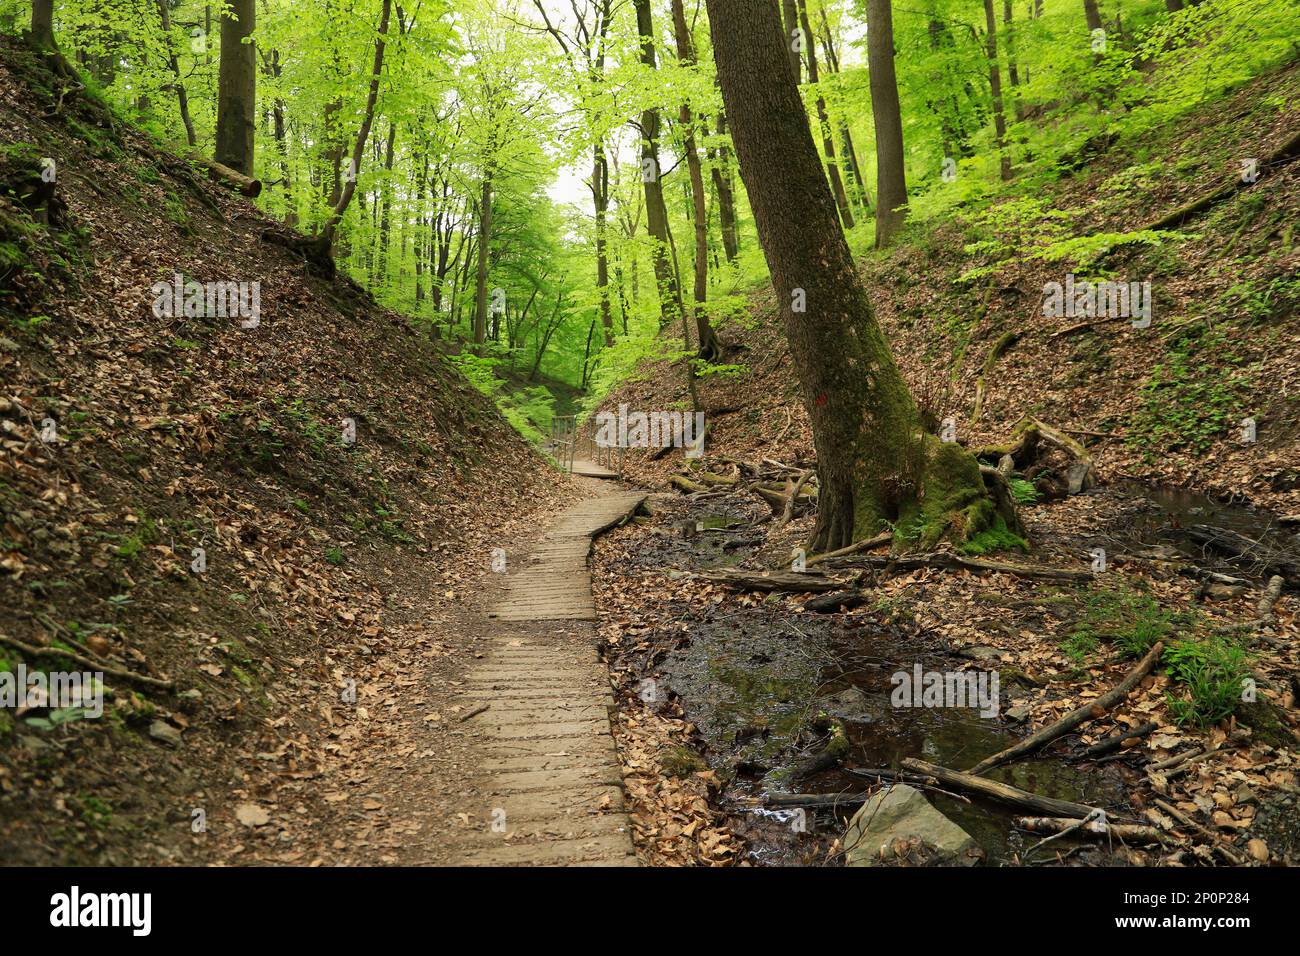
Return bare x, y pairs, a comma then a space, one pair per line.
836, 601
943, 559
1125, 738
1264, 610
788, 511
1079, 715
85, 661
866, 544
1125, 832
1283, 154
1216, 842
999, 792
788, 581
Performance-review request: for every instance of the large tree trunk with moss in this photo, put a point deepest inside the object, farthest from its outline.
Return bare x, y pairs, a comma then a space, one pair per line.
236, 88
874, 461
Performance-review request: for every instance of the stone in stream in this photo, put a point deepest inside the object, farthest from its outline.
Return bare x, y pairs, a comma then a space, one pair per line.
897, 826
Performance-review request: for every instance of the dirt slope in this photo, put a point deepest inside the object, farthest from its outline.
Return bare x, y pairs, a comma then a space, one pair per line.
169, 434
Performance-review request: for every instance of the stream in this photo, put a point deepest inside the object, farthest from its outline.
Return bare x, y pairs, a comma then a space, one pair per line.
759, 684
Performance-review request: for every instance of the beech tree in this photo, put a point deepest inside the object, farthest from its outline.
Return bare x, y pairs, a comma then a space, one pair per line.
43, 24
875, 462
891, 178
237, 87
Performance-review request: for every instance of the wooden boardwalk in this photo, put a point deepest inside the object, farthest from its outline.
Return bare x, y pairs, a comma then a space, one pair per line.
549, 767
555, 584
590, 469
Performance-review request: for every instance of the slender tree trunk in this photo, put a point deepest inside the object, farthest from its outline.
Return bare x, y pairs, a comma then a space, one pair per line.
1013, 72
385, 221
600, 199
824, 123
793, 39
1092, 13
1173, 6
995, 88
237, 87
891, 177
173, 64
484, 235
851, 164
874, 463
670, 295
708, 340
368, 118
721, 172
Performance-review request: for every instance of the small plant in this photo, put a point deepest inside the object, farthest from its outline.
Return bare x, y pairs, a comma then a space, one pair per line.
1023, 491
335, 556
1213, 671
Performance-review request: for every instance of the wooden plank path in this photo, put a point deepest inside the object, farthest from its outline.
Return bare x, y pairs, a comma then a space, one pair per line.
590, 469
555, 585
549, 769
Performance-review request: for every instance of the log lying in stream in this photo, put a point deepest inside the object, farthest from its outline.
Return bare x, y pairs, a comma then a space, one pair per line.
1125, 832
998, 792
1077, 716
789, 581
944, 559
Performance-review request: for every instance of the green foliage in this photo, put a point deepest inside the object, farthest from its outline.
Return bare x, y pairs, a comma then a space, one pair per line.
997, 537
1212, 672
1192, 398
1023, 491
1131, 620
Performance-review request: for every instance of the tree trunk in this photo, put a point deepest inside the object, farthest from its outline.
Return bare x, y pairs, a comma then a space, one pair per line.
385, 219
43, 24
484, 235
874, 463
995, 88
600, 199
670, 294
708, 340
1013, 71
824, 123
851, 164
790, 14
173, 64
1092, 13
726, 194
326, 237
891, 178
237, 87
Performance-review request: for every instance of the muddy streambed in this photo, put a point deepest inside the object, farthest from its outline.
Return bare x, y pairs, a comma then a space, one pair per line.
763, 684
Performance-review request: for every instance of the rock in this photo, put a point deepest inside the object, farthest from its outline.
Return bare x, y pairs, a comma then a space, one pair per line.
849, 702
1020, 713
1080, 477
979, 652
162, 731
898, 825
251, 815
